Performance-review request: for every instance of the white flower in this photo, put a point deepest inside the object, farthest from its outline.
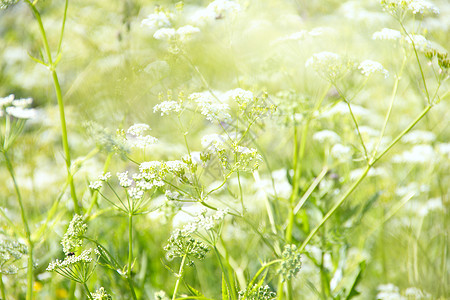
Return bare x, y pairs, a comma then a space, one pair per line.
239, 95
421, 6
418, 154
104, 177
210, 108
6, 100
420, 42
185, 32
215, 141
175, 166
326, 136
22, 102
341, 152
157, 20
203, 16
96, 185
21, 113
224, 7
419, 136
388, 292
355, 174
387, 34
138, 129
165, 34
368, 67
124, 181
135, 193
167, 107
327, 64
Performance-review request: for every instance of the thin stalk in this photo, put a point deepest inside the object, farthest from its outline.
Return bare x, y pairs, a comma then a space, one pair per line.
130, 254
30, 279
59, 98
424, 112
311, 188
388, 114
87, 291
179, 275
335, 207
95, 196
2, 287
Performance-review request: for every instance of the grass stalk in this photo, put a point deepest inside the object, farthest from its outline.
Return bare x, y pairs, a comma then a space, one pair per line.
30, 275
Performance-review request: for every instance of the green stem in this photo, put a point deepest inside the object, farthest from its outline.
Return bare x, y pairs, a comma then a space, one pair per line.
388, 114
2, 287
95, 196
59, 98
335, 207
130, 255
179, 275
87, 291
424, 112
30, 279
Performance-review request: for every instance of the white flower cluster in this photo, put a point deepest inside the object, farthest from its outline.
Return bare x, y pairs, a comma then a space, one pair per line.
100, 294
72, 239
202, 221
213, 141
327, 136
167, 107
368, 67
389, 292
329, 65
414, 6
341, 153
97, 184
419, 137
217, 9
10, 252
209, 107
183, 33
157, 20
239, 95
124, 181
302, 34
418, 154
69, 261
135, 137
387, 34
17, 108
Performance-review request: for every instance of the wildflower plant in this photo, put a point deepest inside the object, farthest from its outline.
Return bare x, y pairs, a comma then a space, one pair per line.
284, 160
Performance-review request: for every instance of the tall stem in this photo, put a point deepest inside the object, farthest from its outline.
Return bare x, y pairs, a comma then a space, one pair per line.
2, 287
87, 291
180, 275
59, 98
130, 254
30, 279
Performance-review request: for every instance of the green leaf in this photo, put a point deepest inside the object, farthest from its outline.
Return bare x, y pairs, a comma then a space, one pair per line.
353, 292
224, 288
193, 290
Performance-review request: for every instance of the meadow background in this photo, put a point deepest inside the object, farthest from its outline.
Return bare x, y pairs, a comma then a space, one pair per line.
388, 239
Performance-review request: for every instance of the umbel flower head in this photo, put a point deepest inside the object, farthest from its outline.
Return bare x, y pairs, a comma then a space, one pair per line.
181, 244
100, 294
257, 293
72, 239
291, 264
76, 267
10, 252
4, 4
